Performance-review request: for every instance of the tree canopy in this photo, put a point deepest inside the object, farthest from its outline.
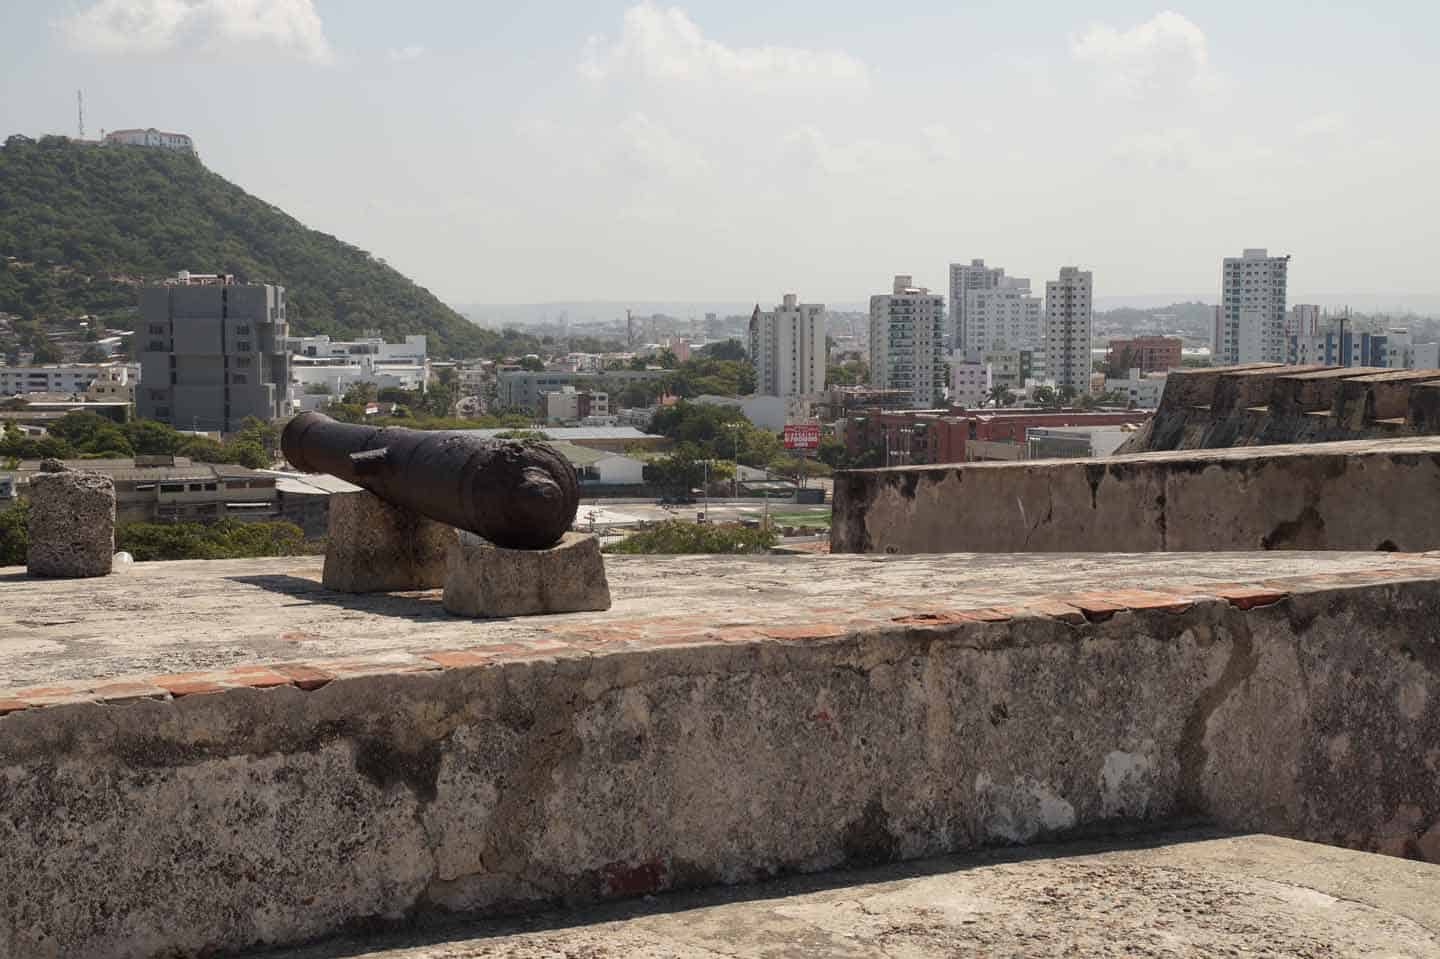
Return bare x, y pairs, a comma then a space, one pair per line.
82, 435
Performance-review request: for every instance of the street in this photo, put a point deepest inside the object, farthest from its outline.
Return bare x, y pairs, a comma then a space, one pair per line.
605, 513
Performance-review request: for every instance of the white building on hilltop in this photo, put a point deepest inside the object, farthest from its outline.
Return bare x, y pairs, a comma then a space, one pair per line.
907, 342
1069, 318
179, 142
1250, 326
787, 348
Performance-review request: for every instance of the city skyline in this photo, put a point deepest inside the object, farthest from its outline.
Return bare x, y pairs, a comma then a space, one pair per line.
610, 151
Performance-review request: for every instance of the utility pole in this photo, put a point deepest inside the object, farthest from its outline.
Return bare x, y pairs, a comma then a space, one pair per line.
735, 477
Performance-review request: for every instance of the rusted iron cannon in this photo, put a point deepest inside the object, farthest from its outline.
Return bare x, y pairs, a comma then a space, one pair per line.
519, 495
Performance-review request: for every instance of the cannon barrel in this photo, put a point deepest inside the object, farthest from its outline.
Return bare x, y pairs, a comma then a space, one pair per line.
520, 495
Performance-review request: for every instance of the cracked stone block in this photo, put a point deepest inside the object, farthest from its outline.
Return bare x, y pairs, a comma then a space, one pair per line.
485, 580
72, 524
375, 547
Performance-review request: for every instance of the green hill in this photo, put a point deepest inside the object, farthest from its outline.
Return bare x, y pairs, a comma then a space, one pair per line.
82, 226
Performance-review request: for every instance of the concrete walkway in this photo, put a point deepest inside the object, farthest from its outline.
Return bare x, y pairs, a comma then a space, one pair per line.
1177, 895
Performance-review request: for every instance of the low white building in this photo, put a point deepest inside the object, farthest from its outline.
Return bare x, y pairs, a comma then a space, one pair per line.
64, 378
969, 382
412, 350
337, 378
1143, 389
601, 467
767, 412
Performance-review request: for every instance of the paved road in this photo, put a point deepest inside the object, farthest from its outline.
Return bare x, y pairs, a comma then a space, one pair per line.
607, 512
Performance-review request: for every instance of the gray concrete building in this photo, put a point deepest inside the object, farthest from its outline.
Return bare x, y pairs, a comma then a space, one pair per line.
525, 390
212, 353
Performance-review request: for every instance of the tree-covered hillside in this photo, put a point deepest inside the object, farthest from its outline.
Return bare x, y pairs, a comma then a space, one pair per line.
81, 226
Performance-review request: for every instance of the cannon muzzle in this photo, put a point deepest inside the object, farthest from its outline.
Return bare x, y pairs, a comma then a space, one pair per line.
520, 495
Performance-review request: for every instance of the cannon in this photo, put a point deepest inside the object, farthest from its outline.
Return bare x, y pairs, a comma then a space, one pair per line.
518, 495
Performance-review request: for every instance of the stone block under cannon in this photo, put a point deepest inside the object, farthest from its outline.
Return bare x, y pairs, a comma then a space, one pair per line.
519, 497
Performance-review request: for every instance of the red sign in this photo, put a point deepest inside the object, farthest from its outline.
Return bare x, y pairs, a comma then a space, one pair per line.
802, 436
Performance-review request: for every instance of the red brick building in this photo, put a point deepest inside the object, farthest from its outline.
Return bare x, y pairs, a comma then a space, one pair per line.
913, 437
1148, 354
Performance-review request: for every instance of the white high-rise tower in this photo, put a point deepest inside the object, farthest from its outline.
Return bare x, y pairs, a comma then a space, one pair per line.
963, 278
787, 348
1250, 327
907, 342
1068, 319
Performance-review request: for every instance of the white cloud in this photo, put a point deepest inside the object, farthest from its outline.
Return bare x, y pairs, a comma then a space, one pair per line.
653, 147
213, 27
1166, 54
663, 44
1322, 124
411, 51
1184, 149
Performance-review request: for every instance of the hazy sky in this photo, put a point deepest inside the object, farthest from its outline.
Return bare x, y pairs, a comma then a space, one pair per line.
734, 150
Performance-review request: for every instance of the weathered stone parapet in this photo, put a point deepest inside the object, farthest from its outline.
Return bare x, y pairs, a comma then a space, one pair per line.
656, 747
374, 547
1267, 403
1373, 494
72, 524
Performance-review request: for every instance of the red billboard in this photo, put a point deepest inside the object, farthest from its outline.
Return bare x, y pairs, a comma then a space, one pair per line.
802, 436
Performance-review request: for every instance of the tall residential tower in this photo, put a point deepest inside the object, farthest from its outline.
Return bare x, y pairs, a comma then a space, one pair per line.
1250, 325
787, 348
963, 278
1068, 319
907, 343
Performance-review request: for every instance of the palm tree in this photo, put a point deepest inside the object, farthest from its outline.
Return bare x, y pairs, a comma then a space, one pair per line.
1001, 396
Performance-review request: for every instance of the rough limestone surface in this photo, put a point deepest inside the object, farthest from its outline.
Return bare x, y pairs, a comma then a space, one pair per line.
793, 717
485, 580
72, 524
1186, 894
375, 547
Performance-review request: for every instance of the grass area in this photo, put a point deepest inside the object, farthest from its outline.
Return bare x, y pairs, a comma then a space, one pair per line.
816, 518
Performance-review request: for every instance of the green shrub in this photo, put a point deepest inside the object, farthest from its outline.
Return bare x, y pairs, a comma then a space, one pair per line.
227, 539
675, 537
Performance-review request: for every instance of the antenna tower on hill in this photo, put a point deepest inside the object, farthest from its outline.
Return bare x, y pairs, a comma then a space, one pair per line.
80, 109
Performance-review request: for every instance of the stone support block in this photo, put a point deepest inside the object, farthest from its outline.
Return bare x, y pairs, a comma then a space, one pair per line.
375, 547
72, 524
485, 580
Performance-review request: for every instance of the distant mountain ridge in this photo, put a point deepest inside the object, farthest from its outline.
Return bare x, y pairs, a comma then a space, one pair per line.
81, 226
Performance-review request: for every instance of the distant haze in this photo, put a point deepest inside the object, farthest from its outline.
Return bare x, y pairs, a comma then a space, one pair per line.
735, 151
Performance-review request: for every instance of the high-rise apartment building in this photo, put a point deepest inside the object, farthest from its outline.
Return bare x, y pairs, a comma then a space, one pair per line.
1005, 317
1068, 320
907, 343
787, 348
965, 277
212, 353
1250, 326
